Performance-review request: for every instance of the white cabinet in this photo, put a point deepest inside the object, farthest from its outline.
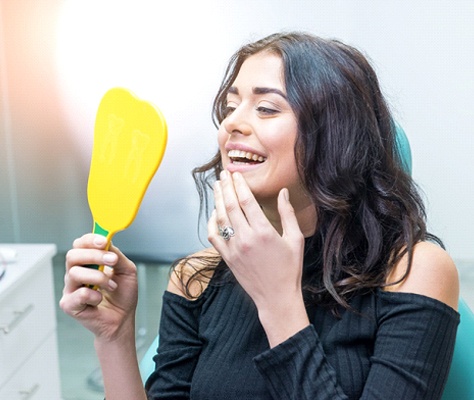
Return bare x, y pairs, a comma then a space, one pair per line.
29, 368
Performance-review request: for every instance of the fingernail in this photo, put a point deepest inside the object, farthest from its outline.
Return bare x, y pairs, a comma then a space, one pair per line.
112, 284
99, 240
237, 175
109, 258
286, 194
224, 175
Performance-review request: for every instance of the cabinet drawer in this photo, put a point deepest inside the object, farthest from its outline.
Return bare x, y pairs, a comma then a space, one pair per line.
37, 379
27, 317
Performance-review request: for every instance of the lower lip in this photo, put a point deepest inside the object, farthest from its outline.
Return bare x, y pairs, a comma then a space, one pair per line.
242, 167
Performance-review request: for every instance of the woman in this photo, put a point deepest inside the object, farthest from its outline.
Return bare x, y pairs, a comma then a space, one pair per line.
322, 281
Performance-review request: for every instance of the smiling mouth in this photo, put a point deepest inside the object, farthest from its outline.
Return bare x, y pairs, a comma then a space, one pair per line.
244, 157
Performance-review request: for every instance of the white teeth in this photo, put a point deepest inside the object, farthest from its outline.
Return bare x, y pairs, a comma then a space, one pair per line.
245, 154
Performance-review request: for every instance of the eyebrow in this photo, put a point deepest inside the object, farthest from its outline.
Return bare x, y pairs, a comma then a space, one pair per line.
259, 90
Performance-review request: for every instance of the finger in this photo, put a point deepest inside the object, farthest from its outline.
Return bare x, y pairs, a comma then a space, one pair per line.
88, 256
90, 240
232, 205
213, 230
77, 277
79, 300
247, 202
288, 219
123, 265
221, 211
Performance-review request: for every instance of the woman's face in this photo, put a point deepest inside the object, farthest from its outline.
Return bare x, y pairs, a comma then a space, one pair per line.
258, 135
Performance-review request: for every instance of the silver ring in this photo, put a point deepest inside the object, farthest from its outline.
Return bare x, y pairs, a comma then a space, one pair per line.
226, 232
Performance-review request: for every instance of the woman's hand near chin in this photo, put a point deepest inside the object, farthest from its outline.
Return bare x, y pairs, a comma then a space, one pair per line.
267, 264
110, 310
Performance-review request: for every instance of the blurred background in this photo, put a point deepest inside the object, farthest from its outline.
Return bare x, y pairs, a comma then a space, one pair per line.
58, 58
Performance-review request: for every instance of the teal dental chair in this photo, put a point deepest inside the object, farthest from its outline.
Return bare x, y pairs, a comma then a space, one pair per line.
460, 384
147, 365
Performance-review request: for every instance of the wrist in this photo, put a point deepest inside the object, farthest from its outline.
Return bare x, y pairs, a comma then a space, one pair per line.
122, 336
116, 350
283, 319
119, 364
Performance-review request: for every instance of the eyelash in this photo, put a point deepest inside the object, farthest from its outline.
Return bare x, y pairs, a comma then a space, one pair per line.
228, 110
263, 110
266, 110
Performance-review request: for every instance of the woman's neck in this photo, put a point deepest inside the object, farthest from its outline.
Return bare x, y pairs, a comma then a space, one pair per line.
305, 215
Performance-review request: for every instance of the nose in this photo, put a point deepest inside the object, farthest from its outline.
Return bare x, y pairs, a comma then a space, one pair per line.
237, 122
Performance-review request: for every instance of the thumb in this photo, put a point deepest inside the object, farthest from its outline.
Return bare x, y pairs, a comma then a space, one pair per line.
289, 222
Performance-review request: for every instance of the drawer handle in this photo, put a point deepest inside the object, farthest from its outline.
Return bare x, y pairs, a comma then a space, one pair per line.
19, 316
28, 394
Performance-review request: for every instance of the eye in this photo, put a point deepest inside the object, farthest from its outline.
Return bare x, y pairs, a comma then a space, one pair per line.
228, 110
266, 110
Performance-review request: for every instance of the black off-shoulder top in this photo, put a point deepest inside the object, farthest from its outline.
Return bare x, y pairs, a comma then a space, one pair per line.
395, 346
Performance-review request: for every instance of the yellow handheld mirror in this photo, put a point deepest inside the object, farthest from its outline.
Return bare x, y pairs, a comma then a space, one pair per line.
130, 138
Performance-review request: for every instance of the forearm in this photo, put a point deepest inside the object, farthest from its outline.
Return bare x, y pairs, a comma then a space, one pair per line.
119, 364
283, 319
298, 369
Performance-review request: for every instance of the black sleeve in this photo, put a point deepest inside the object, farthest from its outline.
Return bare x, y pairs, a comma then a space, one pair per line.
411, 358
179, 348
413, 349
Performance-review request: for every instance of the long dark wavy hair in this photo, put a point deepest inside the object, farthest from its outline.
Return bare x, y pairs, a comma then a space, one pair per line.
369, 211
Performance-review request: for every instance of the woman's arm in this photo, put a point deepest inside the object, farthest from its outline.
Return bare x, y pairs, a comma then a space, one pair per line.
267, 263
120, 372
109, 313
432, 274
413, 346
180, 344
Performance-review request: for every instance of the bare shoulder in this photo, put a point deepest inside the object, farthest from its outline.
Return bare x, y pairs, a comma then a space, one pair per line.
191, 275
433, 274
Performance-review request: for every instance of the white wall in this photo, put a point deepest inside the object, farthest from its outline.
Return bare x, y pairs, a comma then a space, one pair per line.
424, 51
175, 56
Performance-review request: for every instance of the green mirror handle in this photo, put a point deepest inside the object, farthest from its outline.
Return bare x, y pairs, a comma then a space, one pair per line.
100, 231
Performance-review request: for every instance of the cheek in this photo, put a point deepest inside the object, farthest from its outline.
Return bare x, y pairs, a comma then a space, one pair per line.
222, 136
221, 141
285, 154
284, 145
